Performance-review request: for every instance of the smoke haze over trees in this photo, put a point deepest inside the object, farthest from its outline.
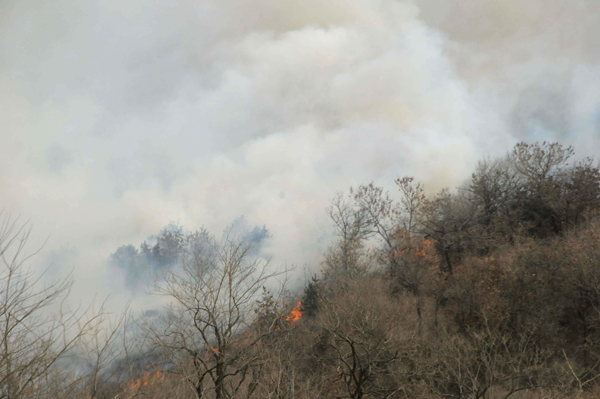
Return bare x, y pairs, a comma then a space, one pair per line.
407, 148
490, 290
119, 117
171, 246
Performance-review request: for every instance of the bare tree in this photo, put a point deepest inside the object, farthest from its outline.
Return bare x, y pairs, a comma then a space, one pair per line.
542, 167
488, 362
538, 162
360, 330
205, 332
380, 212
104, 345
492, 192
33, 338
411, 203
447, 218
352, 227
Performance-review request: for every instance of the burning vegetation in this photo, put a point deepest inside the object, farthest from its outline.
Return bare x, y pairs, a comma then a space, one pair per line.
296, 313
147, 379
491, 291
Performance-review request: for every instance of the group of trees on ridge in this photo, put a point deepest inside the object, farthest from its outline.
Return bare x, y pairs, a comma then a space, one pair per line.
491, 290
158, 253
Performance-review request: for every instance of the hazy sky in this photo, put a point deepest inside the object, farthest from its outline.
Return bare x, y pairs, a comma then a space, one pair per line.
120, 116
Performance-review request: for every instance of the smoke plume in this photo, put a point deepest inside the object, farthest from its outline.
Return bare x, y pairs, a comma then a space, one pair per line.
121, 116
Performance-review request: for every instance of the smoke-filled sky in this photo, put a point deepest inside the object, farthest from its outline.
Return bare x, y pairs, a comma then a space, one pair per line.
118, 117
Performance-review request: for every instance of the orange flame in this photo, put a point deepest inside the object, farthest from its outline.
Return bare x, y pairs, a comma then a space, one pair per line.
422, 252
296, 313
147, 379
426, 245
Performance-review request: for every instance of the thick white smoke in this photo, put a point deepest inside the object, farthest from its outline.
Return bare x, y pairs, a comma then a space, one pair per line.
120, 116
